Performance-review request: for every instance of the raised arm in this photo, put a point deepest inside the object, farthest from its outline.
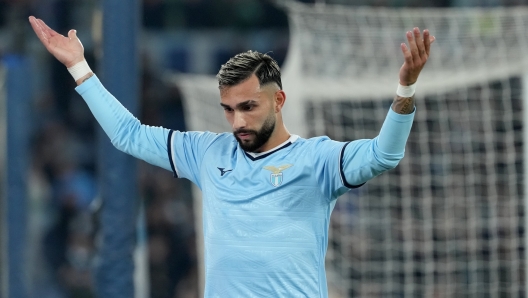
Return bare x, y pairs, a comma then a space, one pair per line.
364, 159
416, 55
68, 50
124, 130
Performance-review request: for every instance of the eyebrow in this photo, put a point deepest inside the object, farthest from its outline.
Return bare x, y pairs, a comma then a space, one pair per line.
244, 103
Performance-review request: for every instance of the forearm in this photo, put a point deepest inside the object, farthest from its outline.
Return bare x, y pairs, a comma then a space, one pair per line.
365, 159
403, 105
396, 129
124, 130
84, 78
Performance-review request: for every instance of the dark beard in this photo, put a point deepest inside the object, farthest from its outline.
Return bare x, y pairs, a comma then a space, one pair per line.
261, 136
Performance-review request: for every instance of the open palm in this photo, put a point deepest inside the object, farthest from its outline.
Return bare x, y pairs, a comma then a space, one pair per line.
68, 50
416, 55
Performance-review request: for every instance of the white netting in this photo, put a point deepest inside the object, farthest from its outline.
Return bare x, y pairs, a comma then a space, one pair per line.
202, 103
449, 221
355, 51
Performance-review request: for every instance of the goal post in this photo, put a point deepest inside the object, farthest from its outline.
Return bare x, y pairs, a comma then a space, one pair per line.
17, 101
525, 162
449, 220
3, 171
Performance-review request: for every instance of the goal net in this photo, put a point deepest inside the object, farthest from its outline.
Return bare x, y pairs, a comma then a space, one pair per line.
449, 220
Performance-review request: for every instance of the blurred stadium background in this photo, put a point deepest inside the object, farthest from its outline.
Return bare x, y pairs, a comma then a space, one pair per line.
448, 222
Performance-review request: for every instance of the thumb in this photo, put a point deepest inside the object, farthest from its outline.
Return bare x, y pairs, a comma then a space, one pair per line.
72, 34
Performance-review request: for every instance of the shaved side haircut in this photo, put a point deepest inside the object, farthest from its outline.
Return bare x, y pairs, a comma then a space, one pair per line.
244, 65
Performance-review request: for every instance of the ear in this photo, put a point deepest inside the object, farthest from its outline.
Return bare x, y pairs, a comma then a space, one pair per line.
280, 99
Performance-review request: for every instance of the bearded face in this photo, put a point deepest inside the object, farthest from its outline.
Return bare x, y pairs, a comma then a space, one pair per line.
252, 140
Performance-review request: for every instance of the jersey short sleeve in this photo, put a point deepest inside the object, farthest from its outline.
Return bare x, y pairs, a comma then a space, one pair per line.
186, 152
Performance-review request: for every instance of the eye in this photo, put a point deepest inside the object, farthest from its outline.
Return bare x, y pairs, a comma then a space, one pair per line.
247, 108
228, 110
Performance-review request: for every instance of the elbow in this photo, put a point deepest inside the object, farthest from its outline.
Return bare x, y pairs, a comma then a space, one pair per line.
385, 160
389, 155
119, 143
124, 136
389, 165
388, 161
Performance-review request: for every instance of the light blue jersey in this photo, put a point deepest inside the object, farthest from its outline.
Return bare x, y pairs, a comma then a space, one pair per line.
265, 215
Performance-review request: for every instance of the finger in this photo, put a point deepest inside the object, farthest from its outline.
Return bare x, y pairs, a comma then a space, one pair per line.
412, 47
427, 41
72, 34
33, 23
407, 55
32, 20
39, 31
48, 30
419, 43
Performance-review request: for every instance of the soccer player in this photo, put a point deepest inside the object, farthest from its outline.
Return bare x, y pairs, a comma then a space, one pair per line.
267, 193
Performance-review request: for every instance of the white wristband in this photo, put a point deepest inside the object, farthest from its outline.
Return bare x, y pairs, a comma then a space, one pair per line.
406, 91
79, 70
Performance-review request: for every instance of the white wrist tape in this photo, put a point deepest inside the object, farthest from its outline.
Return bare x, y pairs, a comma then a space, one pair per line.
406, 91
79, 70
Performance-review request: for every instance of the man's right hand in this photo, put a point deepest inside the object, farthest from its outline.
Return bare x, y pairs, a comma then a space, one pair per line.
68, 50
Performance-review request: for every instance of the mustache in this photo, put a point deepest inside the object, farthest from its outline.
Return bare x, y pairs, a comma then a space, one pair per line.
239, 131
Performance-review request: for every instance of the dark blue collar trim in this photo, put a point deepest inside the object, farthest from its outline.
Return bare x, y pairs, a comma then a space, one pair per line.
267, 154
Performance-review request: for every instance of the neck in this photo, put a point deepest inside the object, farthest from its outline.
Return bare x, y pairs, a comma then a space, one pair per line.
279, 136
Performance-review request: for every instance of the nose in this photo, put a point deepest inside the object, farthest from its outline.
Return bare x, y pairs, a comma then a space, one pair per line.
238, 121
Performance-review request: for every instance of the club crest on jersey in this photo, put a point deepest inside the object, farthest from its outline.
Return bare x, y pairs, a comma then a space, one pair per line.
276, 176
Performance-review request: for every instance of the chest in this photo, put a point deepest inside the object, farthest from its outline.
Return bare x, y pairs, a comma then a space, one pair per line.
240, 172
279, 184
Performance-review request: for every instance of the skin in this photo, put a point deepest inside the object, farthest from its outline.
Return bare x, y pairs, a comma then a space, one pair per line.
68, 50
249, 106
416, 55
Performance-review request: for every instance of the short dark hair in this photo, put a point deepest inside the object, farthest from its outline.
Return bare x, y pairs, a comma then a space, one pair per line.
243, 65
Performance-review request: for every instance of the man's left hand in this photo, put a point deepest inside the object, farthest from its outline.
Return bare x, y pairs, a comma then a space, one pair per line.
416, 55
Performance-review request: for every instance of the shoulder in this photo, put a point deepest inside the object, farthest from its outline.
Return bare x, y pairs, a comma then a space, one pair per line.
321, 141
225, 138
315, 140
322, 147
202, 135
202, 139
220, 137
219, 142
299, 141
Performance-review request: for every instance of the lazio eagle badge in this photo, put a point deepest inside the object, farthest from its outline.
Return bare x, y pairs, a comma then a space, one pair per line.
276, 173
